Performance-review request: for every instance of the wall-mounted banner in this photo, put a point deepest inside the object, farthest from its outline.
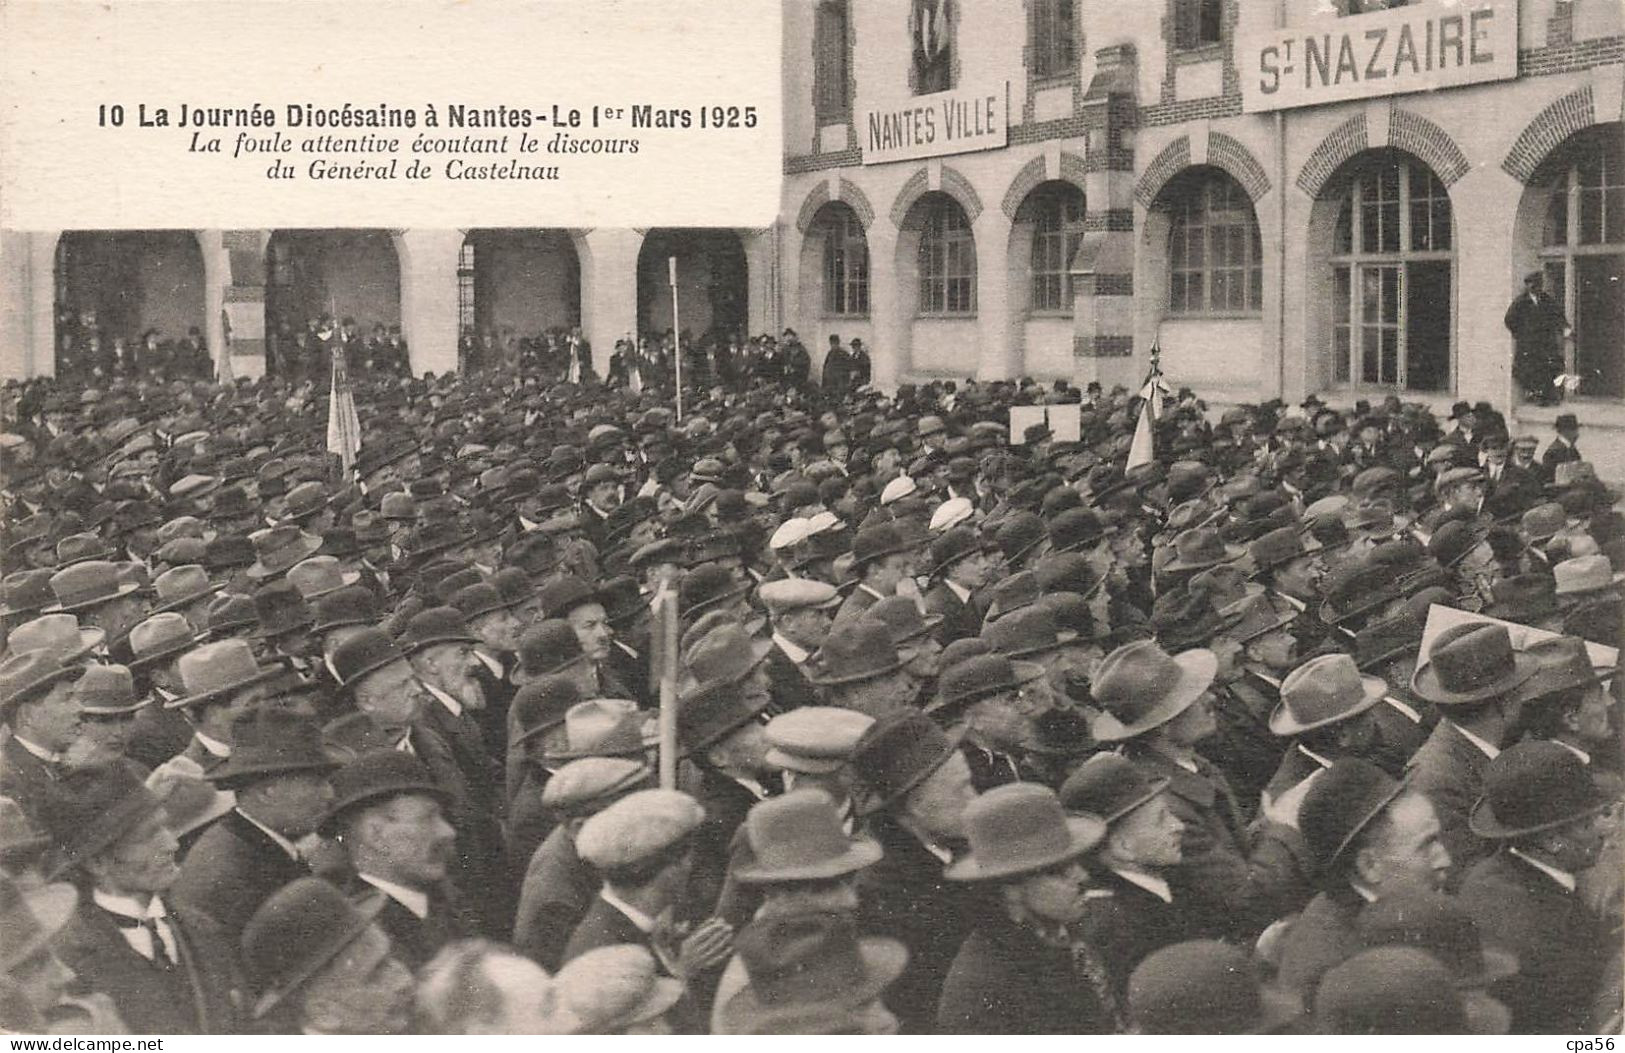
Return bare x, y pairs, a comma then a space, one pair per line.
1433, 44
968, 118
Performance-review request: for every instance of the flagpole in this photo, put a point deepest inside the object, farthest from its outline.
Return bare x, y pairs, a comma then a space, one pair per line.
665, 654
677, 330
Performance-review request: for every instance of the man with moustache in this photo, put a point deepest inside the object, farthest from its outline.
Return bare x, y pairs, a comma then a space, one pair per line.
801, 615
961, 564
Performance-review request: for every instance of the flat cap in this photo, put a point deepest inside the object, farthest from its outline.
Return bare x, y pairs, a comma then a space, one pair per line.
794, 594
814, 739
580, 786
638, 827
1459, 475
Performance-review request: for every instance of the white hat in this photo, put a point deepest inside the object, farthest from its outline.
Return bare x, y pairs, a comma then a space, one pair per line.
823, 521
897, 489
791, 532
951, 513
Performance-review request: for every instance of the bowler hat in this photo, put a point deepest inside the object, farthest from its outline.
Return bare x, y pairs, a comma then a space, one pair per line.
1342, 801
269, 740
84, 585
379, 774
296, 932
1469, 663
279, 548
351, 605
798, 837
1534, 786
280, 609
1020, 828
1075, 529
1322, 691
1436, 923
953, 546
563, 593
851, 654
1109, 786
364, 653
1564, 663
89, 810
542, 705
1522, 597
1140, 687
977, 678
435, 625
1205, 987
1390, 991
550, 646
877, 542
1019, 533
898, 752
808, 959
475, 601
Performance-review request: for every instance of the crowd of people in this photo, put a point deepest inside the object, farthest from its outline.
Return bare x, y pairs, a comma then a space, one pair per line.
1308, 723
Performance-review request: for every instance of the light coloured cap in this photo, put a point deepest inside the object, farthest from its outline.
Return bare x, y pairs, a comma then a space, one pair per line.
794, 594
574, 787
897, 489
822, 521
815, 739
790, 533
951, 513
637, 827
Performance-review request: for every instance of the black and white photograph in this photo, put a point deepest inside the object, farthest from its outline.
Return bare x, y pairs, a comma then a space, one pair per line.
1134, 546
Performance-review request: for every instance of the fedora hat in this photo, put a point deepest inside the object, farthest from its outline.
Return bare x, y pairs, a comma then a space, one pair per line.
84, 585
1469, 663
798, 837
25, 592
159, 637
297, 931
77, 548
1343, 801
852, 654
30, 919
721, 657
1323, 691
1378, 641
232, 502
1140, 687
377, 774
1564, 663
1254, 616
974, 679
227, 614
182, 585
542, 705
266, 741
1025, 632
705, 588
278, 549
228, 552
1534, 786
1183, 618
1200, 548
366, 652
711, 713
59, 633
89, 810
898, 752
1020, 828
214, 670
605, 727
808, 959
320, 575
474, 601
279, 608
1434, 922
21, 842
107, 691
1574, 577
1109, 786
1355, 587
25, 674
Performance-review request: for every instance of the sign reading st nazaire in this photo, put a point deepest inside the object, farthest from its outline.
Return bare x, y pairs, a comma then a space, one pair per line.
945, 122
1433, 44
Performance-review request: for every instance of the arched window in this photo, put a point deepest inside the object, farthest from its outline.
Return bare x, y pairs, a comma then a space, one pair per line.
1215, 258
1391, 277
846, 262
947, 260
1583, 255
1056, 211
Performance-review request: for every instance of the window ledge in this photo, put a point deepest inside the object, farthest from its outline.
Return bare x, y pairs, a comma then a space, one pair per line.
828, 317
1054, 80
1052, 314
1205, 53
943, 316
1213, 316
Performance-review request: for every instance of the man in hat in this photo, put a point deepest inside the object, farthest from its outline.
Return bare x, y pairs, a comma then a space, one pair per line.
1026, 969
36, 701
799, 610
221, 682
810, 972
1538, 330
993, 703
388, 814
108, 707
278, 773
862, 670
1368, 835
1473, 676
836, 379
95, 593
1461, 496
919, 786
320, 964
1140, 911
1564, 446
1546, 816
1328, 709
962, 565
167, 969
883, 564
1568, 702
1160, 708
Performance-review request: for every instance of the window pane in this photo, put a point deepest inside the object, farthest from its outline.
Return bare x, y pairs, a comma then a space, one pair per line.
1590, 216
1343, 237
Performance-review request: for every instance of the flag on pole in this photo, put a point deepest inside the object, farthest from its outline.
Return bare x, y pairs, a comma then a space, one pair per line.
343, 424
663, 671
1143, 449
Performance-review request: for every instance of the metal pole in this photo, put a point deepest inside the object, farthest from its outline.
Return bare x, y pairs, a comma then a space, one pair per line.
666, 627
677, 331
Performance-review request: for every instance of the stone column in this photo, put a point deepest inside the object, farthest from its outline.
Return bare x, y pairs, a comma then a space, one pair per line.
609, 289
216, 277
1000, 353
1103, 270
40, 354
889, 355
428, 262
764, 309
243, 298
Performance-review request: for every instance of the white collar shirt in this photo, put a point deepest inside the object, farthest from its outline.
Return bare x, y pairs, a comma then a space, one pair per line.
410, 898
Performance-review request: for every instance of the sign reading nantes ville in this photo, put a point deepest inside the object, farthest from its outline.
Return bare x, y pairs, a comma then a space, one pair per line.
1433, 44
946, 122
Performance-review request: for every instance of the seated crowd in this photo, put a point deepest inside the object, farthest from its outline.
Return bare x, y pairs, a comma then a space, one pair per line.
1310, 723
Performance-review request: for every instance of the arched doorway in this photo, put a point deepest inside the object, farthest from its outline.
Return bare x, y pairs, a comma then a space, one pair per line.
936, 290
1044, 240
712, 283
340, 274
1571, 227
114, 288
834, 278
517, 285
1382, 232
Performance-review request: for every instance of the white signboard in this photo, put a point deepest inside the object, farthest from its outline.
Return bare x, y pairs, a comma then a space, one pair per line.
1433, 44
909, 127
